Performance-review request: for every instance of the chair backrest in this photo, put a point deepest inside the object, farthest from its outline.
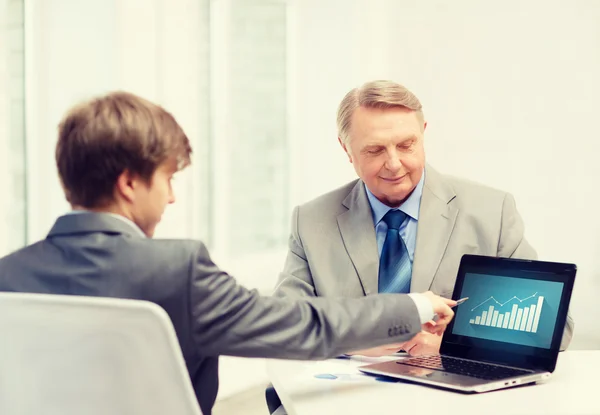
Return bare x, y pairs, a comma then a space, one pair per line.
67, 355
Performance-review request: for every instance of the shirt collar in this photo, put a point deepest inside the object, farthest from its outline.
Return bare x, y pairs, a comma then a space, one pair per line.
410, 206
114, 215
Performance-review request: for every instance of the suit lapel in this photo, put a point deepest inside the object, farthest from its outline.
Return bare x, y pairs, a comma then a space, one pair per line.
358, 233
437, 217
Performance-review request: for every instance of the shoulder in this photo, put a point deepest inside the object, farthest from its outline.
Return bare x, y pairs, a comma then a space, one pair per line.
462, 192
166, 265
151, 251
171, 250
470, 191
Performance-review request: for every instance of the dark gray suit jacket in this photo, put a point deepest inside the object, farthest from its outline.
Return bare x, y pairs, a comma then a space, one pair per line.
93, 254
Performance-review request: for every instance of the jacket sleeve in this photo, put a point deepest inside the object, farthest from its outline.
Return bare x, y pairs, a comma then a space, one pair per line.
228, 319
296, 278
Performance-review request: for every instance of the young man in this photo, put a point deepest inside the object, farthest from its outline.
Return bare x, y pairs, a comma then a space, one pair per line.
116, 156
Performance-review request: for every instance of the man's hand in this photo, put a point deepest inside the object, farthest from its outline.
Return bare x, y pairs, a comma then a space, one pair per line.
423, 343
427, 342
441, 307
385, 350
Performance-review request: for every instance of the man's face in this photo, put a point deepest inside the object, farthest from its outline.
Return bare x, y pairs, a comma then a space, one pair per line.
151, 199
386, 148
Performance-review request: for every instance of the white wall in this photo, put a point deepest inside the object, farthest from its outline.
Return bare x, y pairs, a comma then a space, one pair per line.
510, 92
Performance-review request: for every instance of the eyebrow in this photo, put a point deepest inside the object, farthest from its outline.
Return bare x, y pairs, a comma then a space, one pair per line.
411, 138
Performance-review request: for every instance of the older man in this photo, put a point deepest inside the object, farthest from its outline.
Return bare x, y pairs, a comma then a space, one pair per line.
402, 226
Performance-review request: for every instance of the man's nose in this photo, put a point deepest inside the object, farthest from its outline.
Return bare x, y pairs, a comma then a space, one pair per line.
393, 162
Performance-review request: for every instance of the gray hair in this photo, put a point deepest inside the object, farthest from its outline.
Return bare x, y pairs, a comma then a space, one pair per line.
375, 94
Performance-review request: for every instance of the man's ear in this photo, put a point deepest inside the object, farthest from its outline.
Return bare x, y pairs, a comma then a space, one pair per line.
345, 149
424, 125
125, 186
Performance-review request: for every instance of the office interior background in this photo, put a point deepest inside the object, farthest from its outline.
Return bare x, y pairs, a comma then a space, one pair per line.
510, 90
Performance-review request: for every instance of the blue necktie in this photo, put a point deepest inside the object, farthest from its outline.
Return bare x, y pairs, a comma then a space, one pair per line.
395, 269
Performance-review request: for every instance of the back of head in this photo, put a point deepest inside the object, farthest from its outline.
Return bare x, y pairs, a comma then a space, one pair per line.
100, 139
381, 94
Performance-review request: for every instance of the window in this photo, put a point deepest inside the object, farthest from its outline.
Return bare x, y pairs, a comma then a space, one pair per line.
12, 145
220, 66
249, 140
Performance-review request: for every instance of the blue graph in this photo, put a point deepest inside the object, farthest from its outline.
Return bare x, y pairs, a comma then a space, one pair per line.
507, 309
518, 318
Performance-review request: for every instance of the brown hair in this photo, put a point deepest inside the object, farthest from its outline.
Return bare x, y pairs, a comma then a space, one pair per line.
100, 139
375, 94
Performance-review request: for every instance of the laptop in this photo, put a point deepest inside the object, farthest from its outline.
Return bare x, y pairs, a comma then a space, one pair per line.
507, 333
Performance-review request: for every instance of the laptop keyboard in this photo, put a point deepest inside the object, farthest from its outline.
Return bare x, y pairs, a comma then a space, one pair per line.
464, 367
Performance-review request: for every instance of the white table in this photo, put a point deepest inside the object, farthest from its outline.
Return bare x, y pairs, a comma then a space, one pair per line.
574, 388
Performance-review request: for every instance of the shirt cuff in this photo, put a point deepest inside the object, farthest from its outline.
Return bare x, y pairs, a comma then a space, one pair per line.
424, 307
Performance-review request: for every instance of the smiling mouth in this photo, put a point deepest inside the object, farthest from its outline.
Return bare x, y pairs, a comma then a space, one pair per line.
393, 179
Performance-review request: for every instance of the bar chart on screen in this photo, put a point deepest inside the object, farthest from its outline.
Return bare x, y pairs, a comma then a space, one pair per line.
510, 314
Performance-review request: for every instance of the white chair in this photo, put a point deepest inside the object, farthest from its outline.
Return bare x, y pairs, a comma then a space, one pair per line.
67, 355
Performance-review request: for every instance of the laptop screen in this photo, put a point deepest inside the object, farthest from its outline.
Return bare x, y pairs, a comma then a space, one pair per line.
517, 307
507, 309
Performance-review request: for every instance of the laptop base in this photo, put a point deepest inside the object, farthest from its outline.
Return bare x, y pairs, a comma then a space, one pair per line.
451, 381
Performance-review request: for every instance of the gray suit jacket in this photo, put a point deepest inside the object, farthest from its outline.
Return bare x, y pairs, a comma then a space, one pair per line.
333, 248
94, 254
